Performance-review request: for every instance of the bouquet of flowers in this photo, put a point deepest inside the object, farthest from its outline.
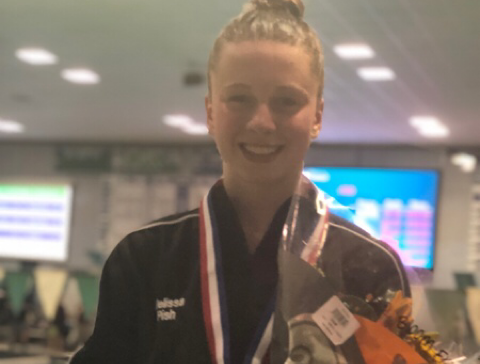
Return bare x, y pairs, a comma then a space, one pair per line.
343, 296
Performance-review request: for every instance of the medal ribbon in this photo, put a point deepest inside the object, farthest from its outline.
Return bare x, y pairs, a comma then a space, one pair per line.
214, 305
314, 245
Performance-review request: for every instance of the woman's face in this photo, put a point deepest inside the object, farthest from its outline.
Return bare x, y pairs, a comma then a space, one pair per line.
263, 110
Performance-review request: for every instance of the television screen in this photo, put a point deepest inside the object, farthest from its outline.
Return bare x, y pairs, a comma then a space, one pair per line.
35, 221
397, 206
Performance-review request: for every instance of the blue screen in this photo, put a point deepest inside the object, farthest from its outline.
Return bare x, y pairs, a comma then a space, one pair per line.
397, 206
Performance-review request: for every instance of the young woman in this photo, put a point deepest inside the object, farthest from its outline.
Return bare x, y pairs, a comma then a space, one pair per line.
199, 287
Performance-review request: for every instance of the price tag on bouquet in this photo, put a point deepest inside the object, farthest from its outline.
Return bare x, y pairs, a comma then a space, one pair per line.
336, 321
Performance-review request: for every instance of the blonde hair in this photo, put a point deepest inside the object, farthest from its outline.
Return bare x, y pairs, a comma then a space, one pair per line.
275, 20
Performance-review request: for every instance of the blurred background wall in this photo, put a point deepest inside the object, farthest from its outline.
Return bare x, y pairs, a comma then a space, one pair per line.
39, 161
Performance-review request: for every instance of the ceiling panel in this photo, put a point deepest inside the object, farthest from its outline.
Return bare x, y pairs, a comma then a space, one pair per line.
141, 49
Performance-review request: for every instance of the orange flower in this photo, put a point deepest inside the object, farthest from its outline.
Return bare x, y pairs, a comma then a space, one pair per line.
398, 312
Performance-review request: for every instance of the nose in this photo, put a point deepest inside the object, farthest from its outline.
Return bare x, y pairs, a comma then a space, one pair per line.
262, 120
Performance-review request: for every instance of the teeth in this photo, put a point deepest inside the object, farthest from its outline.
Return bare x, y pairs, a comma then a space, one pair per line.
260, 149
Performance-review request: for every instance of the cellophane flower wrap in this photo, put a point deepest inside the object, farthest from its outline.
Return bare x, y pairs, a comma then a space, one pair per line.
343, 296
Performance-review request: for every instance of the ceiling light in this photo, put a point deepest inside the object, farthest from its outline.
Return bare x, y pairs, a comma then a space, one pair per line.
186, 124
10, 126
354, 51
196, 129
36, 56
466, 162
429, 127
439, 131
422, 122
81, 75
376, 73
178, 121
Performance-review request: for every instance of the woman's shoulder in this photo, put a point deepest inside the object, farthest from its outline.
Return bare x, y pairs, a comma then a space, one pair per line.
361, 252
160, 234
356, 237
171, 221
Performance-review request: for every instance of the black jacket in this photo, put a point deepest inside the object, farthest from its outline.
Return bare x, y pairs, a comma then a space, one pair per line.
157, 267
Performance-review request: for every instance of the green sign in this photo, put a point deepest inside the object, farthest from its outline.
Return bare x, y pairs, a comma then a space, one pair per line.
83, 159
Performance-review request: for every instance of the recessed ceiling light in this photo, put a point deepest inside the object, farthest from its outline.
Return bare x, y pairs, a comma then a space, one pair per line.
196, 129
439, 131
178, 121
36, 56
10, 126
420, 122
429, 126
466, 162
354, 51
376, 73
186, 124
81, 76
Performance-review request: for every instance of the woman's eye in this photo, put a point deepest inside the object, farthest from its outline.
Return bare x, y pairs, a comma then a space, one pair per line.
286, 104
238, 99
286, 101
240, 103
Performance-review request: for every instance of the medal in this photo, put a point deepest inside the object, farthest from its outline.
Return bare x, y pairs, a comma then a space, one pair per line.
215, 312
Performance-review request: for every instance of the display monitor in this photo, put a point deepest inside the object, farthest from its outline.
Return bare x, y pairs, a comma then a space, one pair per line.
397, 206
35, 221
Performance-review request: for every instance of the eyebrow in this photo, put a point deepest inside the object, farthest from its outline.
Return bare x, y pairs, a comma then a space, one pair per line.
293, 88
289, 88
237, 84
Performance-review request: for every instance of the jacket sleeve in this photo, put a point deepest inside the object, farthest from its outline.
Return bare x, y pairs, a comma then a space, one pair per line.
364, 267
115, 336
375, 273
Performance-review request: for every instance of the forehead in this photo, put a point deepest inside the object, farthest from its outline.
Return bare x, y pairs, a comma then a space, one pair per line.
264, 63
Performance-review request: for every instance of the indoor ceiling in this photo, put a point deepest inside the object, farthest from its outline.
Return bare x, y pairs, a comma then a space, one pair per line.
142, 49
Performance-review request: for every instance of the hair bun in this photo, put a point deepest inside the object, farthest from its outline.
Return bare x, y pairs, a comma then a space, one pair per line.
295, 7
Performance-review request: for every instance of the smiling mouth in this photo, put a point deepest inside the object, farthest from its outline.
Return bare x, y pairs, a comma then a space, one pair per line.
261, 150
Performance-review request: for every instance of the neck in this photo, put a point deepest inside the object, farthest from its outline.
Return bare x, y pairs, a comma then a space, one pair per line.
256, 203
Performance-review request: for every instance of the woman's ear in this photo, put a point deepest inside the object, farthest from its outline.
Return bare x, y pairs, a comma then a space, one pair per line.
208, 110
317, 125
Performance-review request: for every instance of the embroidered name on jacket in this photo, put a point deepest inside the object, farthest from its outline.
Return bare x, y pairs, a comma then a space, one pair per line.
166, 308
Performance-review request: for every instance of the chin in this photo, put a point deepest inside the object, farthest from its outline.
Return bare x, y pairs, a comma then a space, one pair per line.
269, 177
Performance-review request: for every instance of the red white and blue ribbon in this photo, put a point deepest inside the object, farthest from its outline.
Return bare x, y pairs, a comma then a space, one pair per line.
315, 243
214, 301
